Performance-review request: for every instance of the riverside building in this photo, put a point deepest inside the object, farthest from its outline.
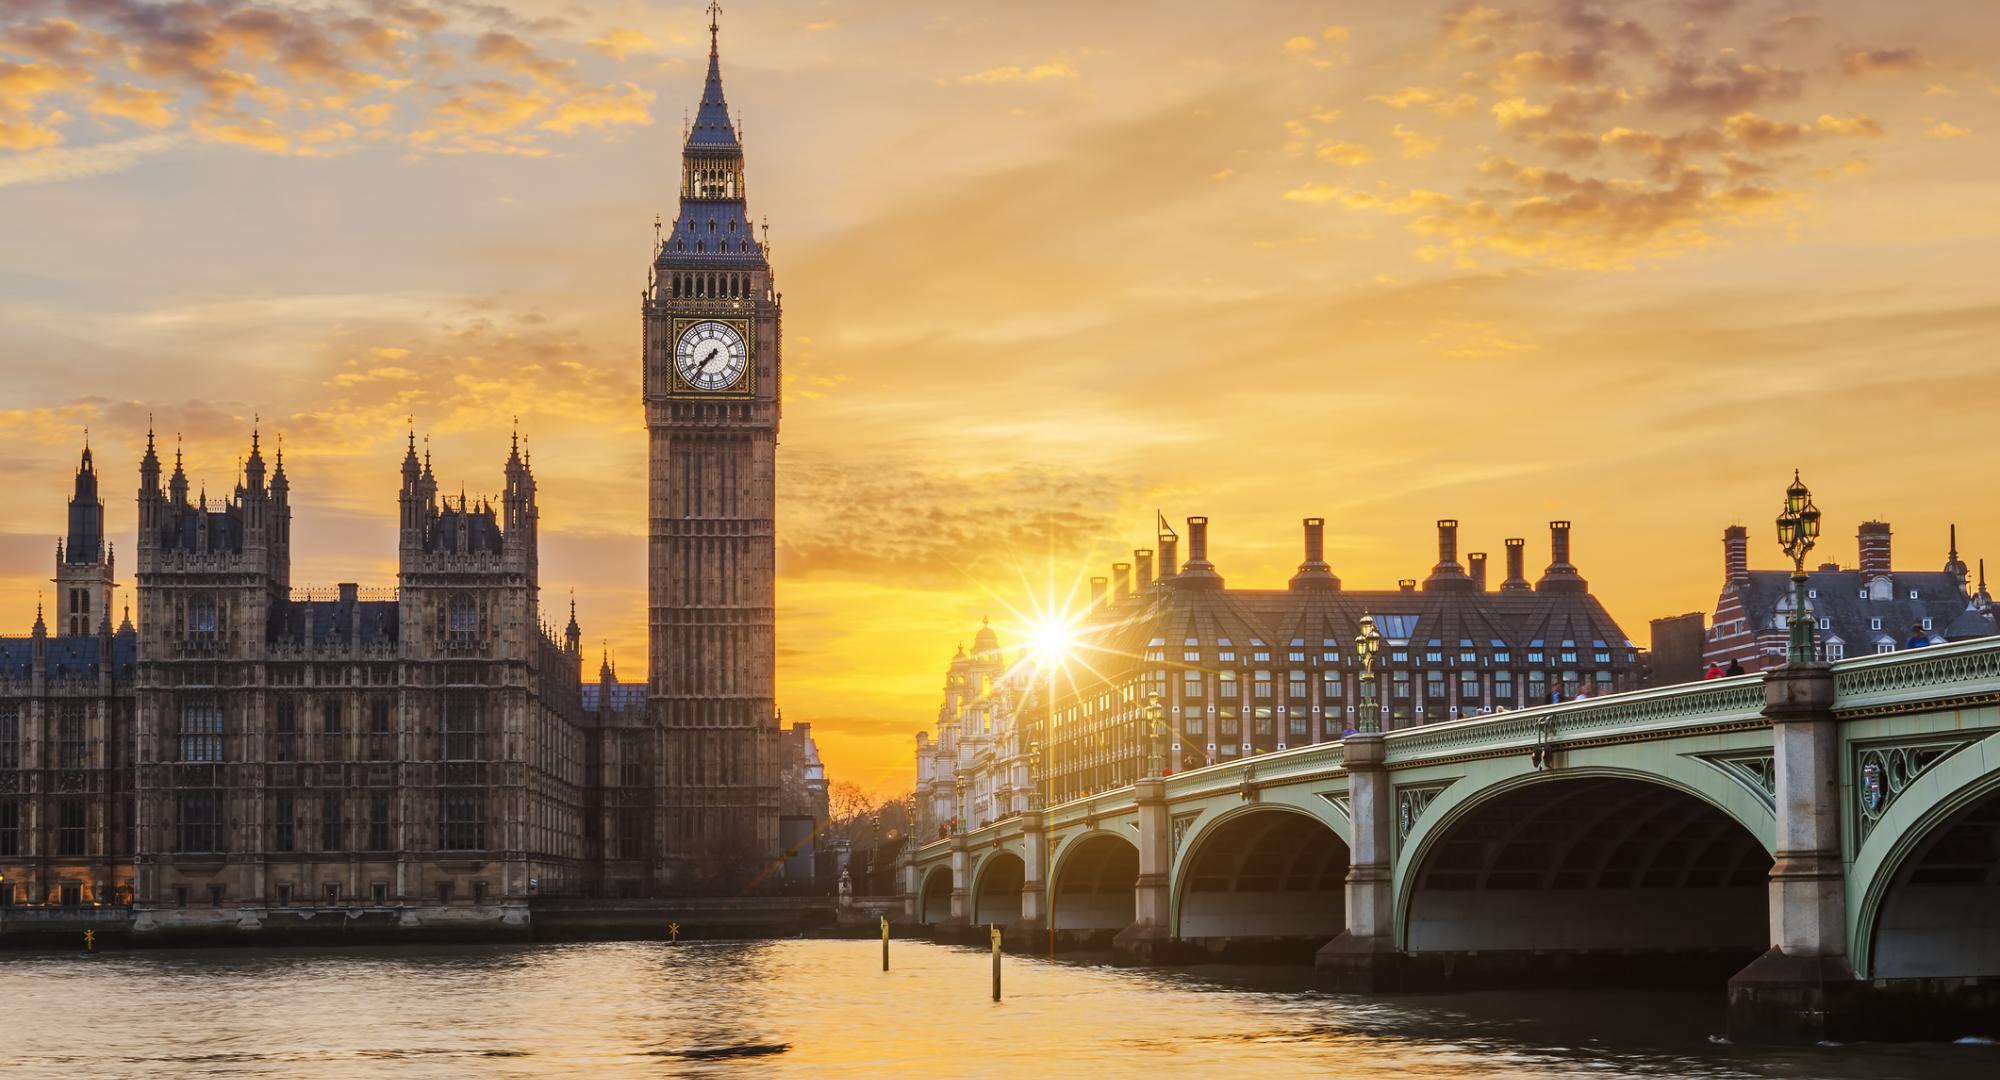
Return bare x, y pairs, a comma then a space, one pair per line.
1242, 672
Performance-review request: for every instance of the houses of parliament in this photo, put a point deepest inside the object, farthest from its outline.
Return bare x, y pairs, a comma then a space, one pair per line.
229, 751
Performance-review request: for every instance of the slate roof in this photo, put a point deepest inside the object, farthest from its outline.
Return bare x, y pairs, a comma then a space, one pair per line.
1838, 598
623, 696
70, 657
712, 129
333, 621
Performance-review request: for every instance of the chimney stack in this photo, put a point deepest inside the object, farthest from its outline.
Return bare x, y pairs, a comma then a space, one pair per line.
1170, 548
1447, 574
1475, 563
1144, 558
1735, 555
1874, 540
1097, 592
1561, 576
1121, 580
1517, 565
1198, 572
1313, 572
1408, 584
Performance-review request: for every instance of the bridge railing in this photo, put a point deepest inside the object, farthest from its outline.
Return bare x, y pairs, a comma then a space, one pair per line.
1932, 673
1938, 673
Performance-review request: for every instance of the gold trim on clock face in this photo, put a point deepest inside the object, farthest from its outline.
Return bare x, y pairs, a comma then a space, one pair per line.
712, 356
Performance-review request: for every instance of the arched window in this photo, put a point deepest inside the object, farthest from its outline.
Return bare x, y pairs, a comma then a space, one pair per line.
204, 617
464, 624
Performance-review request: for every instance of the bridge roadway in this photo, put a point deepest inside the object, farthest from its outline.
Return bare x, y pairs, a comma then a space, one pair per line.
1830, 834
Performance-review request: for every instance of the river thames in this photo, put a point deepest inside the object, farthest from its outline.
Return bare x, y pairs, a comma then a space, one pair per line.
825, 1009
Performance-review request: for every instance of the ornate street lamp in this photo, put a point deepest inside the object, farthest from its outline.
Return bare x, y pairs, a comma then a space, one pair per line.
1366, 644
1035, 775
1798, 527
1156, 734
958, 823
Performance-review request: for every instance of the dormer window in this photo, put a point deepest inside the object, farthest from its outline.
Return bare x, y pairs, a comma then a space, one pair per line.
1875, 623
1913, 594
1927, 624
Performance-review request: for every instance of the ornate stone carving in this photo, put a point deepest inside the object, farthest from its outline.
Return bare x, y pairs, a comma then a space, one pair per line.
1882, 771
1180, 825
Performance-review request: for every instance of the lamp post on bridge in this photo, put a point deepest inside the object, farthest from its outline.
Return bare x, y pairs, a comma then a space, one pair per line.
958, 822
1035, 775
1156, 733
1798, 527
1366, 644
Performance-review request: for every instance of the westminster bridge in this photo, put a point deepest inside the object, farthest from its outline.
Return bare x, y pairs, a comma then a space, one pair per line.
1834, 828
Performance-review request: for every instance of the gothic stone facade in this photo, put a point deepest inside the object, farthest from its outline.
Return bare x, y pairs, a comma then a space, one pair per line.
249, 755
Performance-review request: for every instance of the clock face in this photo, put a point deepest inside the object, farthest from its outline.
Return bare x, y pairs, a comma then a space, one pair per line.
711, 356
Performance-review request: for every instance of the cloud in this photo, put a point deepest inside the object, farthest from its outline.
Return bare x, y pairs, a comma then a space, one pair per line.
603, 107
1863, 63
1944, 130
1416, 144
1757, 133
103, 159
619, 43
143, 105
1723, 87
1344, 153
1299, 45
1336, 33
510, 53
1043, 72
256, 132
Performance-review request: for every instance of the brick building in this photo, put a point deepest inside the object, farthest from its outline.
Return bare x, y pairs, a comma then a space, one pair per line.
1862, 610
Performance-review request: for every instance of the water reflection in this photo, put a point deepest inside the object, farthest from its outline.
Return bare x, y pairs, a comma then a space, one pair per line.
823, 1008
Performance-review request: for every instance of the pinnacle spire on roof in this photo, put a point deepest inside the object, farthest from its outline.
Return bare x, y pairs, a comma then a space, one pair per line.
712, 128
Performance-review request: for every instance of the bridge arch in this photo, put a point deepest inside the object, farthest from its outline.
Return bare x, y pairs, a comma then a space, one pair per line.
1929, 875
1264, 874
1091, 883
1618, 864
996, 889
934, 898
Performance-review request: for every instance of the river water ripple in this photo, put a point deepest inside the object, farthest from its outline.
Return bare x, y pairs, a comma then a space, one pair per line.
825, 1009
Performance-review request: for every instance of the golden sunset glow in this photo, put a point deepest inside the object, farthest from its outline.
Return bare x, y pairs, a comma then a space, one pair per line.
1046, 267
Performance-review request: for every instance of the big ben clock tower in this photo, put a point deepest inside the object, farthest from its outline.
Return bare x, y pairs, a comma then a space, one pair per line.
711, 396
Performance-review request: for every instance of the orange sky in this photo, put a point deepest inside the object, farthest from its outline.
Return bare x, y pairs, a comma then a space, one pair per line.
1046, 267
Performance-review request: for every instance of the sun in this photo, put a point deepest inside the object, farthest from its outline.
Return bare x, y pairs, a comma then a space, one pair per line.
1053, 639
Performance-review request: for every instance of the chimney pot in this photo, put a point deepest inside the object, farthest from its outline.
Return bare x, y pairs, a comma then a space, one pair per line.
1875, 549
1313, 571
1476, 564
1097, 585
1517, 565
1736, 554
1144, 558
1561, 576
1121, 580
1447, 574
1197, 542
1408, 584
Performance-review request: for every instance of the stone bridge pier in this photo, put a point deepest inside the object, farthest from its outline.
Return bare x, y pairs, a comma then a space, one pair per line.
1803, 989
